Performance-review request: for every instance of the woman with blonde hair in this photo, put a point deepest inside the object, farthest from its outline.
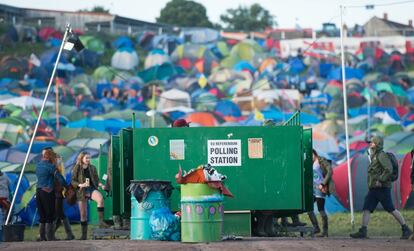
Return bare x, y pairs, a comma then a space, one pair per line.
59, 212
85, 179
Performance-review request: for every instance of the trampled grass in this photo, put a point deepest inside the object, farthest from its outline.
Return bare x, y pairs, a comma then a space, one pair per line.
381, 224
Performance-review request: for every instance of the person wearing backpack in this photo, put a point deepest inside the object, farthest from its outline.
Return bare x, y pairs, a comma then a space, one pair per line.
379, 184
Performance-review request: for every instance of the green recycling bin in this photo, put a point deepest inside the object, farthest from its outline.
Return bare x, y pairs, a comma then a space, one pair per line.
201, 213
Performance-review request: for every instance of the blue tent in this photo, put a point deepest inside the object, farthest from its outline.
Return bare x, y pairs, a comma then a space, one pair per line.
30, 215
110, 125
296, 65
325, 69
24, 185
336, 74
305, 118
374, 109
49, 57
228, 108
123, 41
37, 146
244, 65
274, 114
87, 58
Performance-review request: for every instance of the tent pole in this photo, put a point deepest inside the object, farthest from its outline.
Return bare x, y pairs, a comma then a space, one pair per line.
57, 105
37, 123
351, 197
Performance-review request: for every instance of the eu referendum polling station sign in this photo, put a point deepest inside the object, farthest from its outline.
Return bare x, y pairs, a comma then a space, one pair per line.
224, 152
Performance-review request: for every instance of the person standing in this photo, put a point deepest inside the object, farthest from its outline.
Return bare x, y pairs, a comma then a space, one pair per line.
85, 179
45, 195
412, 181
4, 200
322, 186
379, 189
59, 212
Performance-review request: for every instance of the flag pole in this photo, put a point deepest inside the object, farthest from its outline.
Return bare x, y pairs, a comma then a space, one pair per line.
37, 123
351, 197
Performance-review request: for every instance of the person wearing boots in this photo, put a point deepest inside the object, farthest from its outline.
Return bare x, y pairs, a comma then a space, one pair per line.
45, 195
379, 188
85, 179
322, 179
59, 213
412, 181
4, 200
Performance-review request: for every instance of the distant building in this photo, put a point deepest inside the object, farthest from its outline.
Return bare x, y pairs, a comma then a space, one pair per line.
280, 34
11, 14
379, 27
84, 21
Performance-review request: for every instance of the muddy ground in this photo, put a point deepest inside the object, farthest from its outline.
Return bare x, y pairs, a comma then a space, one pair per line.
253, 243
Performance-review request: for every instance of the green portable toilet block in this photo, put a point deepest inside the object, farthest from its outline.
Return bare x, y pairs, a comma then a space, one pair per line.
201, 213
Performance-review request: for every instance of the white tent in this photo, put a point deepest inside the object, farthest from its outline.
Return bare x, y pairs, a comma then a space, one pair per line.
26, 102
125, 60
174, 98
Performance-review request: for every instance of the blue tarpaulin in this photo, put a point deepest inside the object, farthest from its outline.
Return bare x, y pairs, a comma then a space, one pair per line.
350, 73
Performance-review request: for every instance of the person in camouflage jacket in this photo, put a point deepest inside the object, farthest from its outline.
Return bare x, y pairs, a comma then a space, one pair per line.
86, 181
379, 184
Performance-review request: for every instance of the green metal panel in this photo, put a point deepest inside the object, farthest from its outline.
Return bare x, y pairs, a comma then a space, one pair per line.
126, 164
273, 182
308, 170
116, 176
237, 223
101, 164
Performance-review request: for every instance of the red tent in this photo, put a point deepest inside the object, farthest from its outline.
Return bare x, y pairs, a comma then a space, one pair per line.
49, 32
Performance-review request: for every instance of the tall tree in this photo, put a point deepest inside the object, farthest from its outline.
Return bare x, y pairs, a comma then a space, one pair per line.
253, 18
184, 13
98, 9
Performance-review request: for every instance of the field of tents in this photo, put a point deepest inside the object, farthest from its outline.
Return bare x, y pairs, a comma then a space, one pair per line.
209, 81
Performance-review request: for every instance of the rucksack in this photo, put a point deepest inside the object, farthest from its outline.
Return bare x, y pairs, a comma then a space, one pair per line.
394, 163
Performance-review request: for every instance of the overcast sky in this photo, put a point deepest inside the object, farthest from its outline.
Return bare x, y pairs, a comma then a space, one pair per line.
305, 13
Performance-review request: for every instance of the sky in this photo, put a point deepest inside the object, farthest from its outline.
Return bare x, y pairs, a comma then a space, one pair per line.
289, 14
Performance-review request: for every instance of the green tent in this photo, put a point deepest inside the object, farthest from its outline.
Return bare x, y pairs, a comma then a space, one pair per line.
93, 44
70, 112
81, 88
246, 50
388, 87
387, 129
64, 151
124, 115
104, 73
145, 120
12, 133
160, 72
17, 121
68, 134
205, 102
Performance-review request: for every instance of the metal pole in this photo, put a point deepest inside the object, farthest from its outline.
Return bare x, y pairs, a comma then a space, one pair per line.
351, 197
153, 103
37, 123
57, 105
369, 111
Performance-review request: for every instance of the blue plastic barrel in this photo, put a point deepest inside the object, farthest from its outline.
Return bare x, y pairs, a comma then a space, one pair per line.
141, 212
